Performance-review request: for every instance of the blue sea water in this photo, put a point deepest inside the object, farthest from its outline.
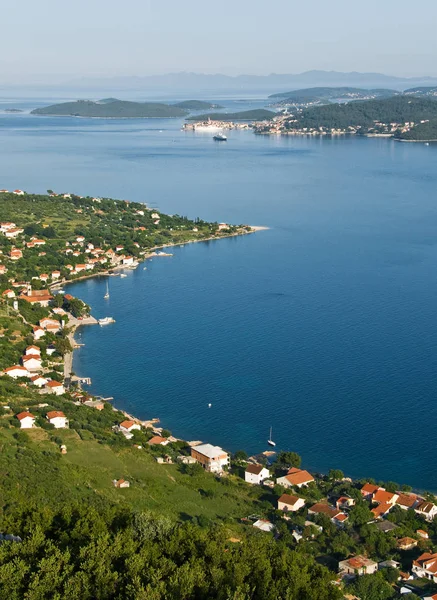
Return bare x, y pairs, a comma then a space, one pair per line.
323, 327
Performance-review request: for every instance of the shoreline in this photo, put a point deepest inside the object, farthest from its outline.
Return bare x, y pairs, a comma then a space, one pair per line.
69, 358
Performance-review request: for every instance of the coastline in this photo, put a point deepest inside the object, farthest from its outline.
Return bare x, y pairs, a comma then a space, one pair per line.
69, 358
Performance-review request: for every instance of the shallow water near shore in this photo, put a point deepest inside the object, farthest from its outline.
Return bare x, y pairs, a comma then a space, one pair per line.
323, 326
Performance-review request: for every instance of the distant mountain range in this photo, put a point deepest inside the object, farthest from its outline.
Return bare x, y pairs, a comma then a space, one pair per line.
274, 82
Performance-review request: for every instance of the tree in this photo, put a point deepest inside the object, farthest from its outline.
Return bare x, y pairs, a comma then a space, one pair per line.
63, 345
289, 459
335, 474
372, 587
240, 455
360, 514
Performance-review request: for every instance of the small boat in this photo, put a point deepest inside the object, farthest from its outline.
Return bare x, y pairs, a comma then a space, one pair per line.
270, 441
209, 405
106, 321
220, 137
106, 296
123, 275
426, 143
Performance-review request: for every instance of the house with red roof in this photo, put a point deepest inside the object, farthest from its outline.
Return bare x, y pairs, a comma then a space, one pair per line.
54, 387
256, 474
158, 440
8, 294
426, 566
57, 418
358, 565
426, 509
38, 380
32, 350
295, 477
289, 503
128, 426
27, 420
368, 490
381, 496
32, 362
17, 371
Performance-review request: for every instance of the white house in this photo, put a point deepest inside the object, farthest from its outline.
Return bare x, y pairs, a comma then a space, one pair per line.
426, 566
120, 483
58, 419
256, 474
56, 275
289, 503
32, 362
295, 477
212, 458
27, 420
50, 350
54, 387
17, 371
38, 380
33, 350
18, 192
358, 565
426, 509
8, 294
128, 260
38, 333
264, 525
129, 426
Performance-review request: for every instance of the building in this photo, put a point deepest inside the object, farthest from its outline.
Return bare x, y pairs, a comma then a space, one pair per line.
18, 192
50, 324
368, 490
345, 502
17, 371
27, 420
38, 380
423, 534
120, 483
381, 496
15, 254
426, 566
129, 426
38, 333
406, 543
428, 510
42, 297
256, 474
407, 501
295, 477
32, 362
212, 458
58, 419
8, 294
289, 503
158, 440
358, 565
54, 387
56, 275
264, 525
32, 350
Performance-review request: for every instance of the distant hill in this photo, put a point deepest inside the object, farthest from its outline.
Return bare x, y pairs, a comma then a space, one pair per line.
274, 82
112, 108
196, 105
423, 92
423, 132
331, 93
245, 115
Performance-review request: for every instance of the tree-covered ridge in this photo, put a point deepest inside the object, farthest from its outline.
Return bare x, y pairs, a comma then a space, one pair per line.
423, 132
259, 114
112, 108
332, 93
399, 109
422, 91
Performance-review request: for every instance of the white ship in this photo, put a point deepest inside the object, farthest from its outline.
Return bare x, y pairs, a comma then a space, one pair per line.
106, 321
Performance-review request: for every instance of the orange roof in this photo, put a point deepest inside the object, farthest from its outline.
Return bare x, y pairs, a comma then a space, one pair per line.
127, 424
52, 383
341, 517
369, 488
25, 414
297, 476
407, 500
157, 439
55, 413
33, 348
382, 496
381, 509
325, 509
15, 367
422, 532
288, 499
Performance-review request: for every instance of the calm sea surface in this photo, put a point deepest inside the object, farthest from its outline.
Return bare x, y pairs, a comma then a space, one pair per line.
323, 327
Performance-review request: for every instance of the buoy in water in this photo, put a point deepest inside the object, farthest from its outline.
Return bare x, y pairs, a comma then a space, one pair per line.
209, 405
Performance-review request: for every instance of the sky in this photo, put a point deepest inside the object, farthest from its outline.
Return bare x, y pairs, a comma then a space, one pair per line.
54, 41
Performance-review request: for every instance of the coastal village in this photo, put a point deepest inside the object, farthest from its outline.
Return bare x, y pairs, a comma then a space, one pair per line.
378, 530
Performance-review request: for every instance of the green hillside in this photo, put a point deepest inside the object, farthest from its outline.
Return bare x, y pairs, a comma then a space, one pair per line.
112, 108
260, 114
329, 93
423, 132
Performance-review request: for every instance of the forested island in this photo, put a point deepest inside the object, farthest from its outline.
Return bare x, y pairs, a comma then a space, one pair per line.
197, 105
324, 95
96, 504
395, 117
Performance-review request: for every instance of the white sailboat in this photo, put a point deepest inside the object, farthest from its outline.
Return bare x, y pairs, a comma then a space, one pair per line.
106, 296
270, 441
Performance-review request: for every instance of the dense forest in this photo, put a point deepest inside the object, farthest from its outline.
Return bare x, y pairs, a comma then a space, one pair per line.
333, 93
399, 109
423, 132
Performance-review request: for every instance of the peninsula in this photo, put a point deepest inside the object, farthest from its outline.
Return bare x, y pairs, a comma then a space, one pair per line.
96, 503
258, 114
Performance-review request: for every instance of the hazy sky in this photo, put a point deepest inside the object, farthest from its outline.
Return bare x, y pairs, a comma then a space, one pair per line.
50, 38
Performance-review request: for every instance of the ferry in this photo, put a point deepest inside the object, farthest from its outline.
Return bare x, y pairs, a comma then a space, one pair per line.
106, 321
220, 137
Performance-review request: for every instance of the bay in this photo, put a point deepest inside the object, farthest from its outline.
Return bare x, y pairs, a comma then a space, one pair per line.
323, 326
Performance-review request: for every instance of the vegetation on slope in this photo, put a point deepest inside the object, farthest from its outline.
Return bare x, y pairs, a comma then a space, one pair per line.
332, 93
399, 109
112, 108
259, 114
423, 132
